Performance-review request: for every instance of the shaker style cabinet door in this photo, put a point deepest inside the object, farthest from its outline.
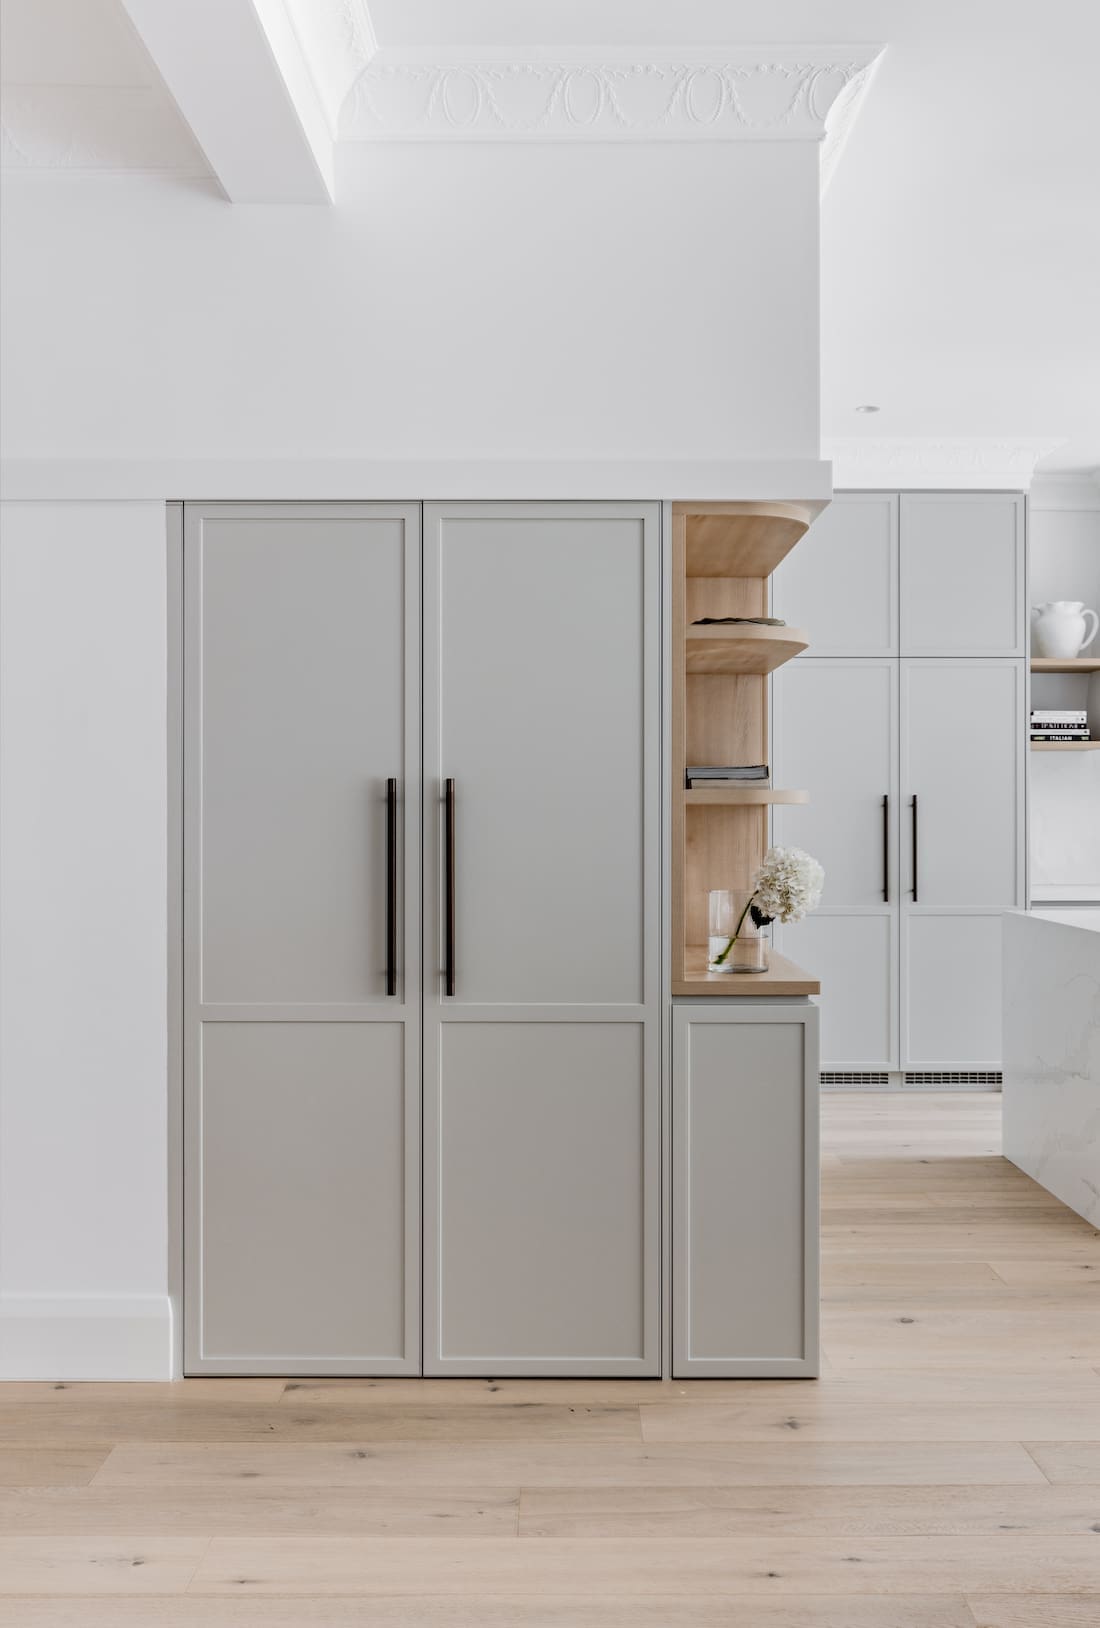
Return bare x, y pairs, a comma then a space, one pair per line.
301, 938
835, 735
745, 1189
963, 743
542, 867
962, 574
841, 581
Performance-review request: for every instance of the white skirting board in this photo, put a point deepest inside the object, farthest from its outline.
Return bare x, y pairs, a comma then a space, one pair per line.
78, 1337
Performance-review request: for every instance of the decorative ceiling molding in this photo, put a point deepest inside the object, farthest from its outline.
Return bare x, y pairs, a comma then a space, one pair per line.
915, 462
757, 93
111, 128
841, 119
337, 42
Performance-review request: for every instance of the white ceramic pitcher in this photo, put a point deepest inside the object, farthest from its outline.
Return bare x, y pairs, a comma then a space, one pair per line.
1060, 628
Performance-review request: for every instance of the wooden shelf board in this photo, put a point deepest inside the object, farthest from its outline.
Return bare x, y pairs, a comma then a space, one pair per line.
781, 978
1065, 746
741, 648
739, 796
1074, 664
740, 539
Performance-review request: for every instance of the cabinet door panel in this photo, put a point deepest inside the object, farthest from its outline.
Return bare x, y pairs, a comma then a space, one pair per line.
300, 1235
841, 581
952, 990
542, 1131
962, 757
962, 574
834, 735
855, 955
301, 1073
745, 1095
542, 1069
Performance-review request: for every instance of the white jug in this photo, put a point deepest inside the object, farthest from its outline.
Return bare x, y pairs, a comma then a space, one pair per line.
1060, 628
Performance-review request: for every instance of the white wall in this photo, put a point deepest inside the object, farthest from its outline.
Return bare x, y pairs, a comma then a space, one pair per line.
462, 301
83, 936
1065, 786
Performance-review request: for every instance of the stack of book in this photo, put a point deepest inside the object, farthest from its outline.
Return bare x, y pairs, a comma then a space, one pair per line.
1068, 724
716, 776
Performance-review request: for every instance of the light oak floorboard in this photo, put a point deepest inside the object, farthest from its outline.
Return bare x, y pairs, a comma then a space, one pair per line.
1035, 1610
547, 1566
847, 1512
498, 1611
259, 1510
146, 1421
784, 1462
36, 1466
83, 1566
1068, 1461
825, 1416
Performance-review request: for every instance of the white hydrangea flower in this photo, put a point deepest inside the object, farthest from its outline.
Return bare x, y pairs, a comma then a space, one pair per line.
787, 886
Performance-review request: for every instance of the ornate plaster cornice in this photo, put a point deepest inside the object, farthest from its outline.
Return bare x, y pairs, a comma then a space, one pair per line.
337, 42
914, 462
780, 93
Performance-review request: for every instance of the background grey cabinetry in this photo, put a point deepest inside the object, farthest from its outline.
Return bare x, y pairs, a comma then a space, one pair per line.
745, 1189
301, 1073
541, 1070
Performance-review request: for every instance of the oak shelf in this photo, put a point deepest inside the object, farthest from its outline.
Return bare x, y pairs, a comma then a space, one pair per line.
1071, 664
783, 977
741, 649
1065, 746
740, 540
741, 796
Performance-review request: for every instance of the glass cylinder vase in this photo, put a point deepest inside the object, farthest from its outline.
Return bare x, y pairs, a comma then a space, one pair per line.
734, 942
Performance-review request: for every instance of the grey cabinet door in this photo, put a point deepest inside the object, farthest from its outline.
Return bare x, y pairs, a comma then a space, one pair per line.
301, 1073
841, 582
745, 1189
962, 574
541, 1069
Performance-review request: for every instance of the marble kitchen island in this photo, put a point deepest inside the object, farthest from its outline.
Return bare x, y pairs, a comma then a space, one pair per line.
1052, 1052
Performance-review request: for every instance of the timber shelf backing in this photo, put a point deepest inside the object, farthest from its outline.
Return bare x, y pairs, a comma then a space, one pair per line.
723, 555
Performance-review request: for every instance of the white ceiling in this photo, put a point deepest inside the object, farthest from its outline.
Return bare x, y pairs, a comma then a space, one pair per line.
960, 234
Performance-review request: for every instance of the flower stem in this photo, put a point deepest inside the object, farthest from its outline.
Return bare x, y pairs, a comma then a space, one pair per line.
718, 959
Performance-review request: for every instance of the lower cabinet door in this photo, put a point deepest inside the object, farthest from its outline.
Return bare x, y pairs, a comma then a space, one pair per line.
745, 1190
540, 1213
951, 990
855, 953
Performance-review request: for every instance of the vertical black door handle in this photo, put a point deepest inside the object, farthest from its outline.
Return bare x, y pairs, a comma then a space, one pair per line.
886, 848
391, 887
914, 847
449, 902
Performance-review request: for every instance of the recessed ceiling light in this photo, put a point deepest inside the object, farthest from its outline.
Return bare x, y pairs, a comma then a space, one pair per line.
867, 409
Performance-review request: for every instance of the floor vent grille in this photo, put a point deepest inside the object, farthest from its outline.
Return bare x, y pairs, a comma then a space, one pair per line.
937, 1076
850, 1079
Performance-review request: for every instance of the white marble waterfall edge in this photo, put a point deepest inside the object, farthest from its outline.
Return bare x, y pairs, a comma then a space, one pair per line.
1052, 1052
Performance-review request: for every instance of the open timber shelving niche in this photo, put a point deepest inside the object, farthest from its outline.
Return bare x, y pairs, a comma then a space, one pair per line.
722, 557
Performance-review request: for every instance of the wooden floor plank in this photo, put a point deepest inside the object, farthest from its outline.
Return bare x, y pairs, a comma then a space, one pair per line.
786, 1462
850, 1512
1035, 1610
90, 1566
546, 1566
498, 1611
1062, 1462
36, 1466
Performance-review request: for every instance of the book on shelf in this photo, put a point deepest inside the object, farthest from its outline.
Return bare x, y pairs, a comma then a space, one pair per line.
717, 775
1077, 716
1062, 735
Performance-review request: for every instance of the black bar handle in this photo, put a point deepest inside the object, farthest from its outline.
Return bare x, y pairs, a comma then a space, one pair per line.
886, 848
449, 905
391, 887
914, 847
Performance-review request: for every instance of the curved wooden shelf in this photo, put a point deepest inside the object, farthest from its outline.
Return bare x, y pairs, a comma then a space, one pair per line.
741, 648
1065, 746
741, 539
735, 796
1072, 664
